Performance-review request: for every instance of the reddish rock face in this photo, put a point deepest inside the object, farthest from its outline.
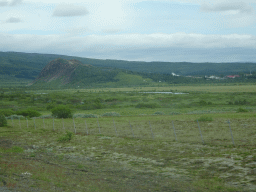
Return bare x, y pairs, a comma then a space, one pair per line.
58, 69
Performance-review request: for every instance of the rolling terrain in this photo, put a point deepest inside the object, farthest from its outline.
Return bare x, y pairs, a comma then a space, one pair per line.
21, 68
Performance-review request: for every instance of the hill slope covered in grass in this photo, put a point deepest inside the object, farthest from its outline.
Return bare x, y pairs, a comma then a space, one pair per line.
29, 65
62, 73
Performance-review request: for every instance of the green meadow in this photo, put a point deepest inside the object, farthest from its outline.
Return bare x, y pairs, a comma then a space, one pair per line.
123, 139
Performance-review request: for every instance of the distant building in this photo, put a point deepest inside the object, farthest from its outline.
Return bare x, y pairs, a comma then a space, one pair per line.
173, 74
232, 76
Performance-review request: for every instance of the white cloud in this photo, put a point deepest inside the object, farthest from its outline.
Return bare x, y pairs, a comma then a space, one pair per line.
232, 14
77, 30
137, 41
69, 10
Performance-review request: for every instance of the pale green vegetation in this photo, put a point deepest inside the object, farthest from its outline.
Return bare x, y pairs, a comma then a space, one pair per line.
124, 140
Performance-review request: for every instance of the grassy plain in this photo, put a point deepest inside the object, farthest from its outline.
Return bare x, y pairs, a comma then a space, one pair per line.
138, 150
239, 87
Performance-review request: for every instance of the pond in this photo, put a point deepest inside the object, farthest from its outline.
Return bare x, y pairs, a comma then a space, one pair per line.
165, 93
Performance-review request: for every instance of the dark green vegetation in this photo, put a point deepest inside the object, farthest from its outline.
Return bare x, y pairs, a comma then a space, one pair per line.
67, 137
135, 102
28, 113
3, 121
61, 111
19, 69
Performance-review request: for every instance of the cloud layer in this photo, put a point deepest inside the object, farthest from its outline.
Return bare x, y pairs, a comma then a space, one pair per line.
69, 10
13, 20
174, 30
152, 47
239, 7
11, 3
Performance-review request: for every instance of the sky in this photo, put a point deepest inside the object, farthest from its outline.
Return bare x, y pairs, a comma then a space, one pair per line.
134, 30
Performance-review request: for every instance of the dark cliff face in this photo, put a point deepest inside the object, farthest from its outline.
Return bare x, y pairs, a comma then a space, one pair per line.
59, 69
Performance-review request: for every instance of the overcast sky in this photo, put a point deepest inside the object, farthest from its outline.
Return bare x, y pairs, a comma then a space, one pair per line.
138, 30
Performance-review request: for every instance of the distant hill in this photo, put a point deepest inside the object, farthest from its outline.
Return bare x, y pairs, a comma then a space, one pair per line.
34, 63
62, 73
26, 67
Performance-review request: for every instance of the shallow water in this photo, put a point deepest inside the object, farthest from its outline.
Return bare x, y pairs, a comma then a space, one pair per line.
165, 93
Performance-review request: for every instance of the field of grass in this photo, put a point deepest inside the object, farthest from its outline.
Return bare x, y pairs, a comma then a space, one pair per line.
136, 150
129, 154
180, 88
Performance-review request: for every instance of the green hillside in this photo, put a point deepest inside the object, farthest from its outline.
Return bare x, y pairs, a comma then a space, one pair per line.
29, 65
18, 69
61, 73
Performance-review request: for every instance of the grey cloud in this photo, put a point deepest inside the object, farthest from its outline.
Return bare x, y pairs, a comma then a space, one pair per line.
3, 3
177, 47
13, 20
221, 7
110, 31
66, 10
15, 2
12, 3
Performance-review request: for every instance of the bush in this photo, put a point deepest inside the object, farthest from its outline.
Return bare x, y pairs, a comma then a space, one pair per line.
241, 110
16, 117
202, 103
111, 114
7, 112
29, 113
50, 106
61, 111
205, 118
85, 116
147, 105
67, 137
3, 121
159, 113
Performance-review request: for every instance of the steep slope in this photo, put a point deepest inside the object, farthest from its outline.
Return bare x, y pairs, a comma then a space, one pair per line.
62, 73
59, 69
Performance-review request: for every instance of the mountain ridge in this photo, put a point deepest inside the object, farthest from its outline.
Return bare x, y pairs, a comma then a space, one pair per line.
27, 66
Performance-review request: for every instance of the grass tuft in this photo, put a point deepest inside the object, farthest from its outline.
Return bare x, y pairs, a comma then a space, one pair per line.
205, 118
66, 138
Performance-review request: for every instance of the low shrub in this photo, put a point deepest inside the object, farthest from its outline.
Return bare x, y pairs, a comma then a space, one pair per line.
241, 110
29, 113
67, 137
202, 103
7, 112
50, 106
205, 118
85, 115
175, 113
159, 113
3, 121
147, 105
111, 114
16, 117
61, 111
